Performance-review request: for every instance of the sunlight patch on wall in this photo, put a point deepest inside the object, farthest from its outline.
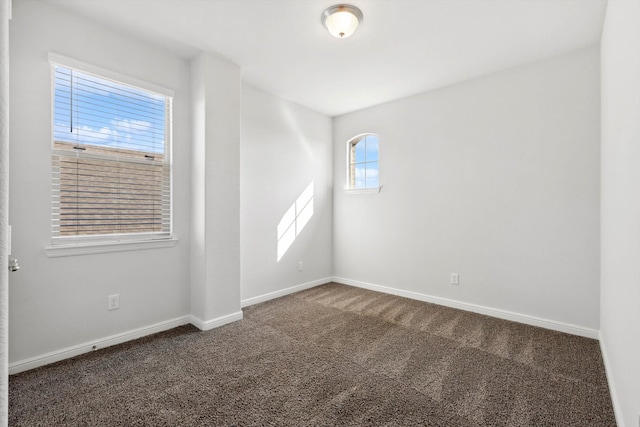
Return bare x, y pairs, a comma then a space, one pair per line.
294, 220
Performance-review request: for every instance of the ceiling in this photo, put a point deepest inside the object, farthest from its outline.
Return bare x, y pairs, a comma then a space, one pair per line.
402, 47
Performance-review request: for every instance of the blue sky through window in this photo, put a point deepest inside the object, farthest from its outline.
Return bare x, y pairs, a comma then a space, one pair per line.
366, 162
91, 110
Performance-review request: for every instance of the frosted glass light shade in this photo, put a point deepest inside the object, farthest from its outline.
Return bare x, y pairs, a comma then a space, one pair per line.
342, 20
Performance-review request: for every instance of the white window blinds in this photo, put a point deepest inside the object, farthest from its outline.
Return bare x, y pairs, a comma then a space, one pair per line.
111, 159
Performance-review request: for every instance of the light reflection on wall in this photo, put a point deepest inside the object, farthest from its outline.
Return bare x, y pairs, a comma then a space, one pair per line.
294, 220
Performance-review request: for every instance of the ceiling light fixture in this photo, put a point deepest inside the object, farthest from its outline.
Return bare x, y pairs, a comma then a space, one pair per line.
341, 20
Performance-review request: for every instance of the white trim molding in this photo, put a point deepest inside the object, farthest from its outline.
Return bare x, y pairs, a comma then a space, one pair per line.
617, 411
65, 61
282, 292
105, 247
66, 353
488, 311
357, 191
206, 325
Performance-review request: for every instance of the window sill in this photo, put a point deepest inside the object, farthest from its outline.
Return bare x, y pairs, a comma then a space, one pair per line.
352, 191
106, 247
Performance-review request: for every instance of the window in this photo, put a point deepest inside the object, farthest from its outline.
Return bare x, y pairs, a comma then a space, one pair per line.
111, 165
363, 162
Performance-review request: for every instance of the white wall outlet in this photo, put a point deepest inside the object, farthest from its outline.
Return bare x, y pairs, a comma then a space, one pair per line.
300, 265
113, 302
455, 279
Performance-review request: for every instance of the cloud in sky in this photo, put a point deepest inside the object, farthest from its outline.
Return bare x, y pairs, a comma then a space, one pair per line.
98, 137
361, 173
120, 133
131, 125
366, 177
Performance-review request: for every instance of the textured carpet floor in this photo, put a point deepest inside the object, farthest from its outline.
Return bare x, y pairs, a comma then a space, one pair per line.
331, 355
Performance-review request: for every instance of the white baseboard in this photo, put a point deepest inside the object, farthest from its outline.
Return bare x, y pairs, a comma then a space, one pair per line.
610, 382
206, 325
493, 312
282, 292
66, 353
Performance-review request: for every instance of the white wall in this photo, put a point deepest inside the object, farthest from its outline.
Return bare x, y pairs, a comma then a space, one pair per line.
60, 303
215, 186
4, 212
620, 251
284, 147
56, 303
496, 179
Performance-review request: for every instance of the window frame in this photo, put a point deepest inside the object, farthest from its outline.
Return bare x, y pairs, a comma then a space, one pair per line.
101, 243
351, 142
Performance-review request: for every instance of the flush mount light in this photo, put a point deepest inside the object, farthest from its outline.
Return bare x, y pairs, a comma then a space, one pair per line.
341, 20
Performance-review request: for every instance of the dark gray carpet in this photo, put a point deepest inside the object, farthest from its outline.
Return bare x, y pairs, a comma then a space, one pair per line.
331, 355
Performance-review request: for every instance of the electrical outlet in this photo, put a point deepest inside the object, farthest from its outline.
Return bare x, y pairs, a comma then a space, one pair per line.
113, 302
300, 265
455, 279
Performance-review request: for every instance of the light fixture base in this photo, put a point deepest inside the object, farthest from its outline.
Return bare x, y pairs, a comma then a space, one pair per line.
342, 20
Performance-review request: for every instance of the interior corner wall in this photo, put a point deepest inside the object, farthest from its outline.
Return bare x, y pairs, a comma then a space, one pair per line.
215, 178
58, 303
284, 148
620, 238
496, 179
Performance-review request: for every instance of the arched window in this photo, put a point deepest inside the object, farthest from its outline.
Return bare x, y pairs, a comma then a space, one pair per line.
363, 162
